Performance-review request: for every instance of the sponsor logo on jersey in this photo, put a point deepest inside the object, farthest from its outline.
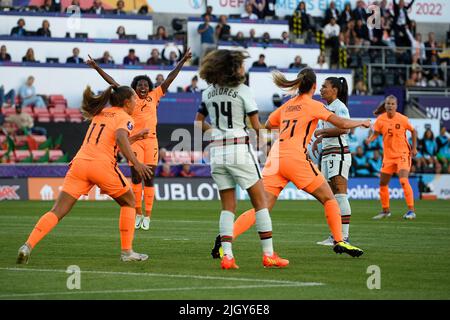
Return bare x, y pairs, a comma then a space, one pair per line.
130, 125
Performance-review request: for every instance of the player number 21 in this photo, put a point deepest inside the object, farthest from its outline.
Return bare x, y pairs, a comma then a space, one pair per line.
102, 126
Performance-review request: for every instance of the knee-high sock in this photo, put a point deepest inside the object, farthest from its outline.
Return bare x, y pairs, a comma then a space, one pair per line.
149, 196
333, 215
264, 228
346, 213
226, 231
137, 190
384, 197
126, 227
244, 222
45, 224
407, 190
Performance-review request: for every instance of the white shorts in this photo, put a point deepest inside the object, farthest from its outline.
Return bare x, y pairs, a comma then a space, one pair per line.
234, 165
332, 165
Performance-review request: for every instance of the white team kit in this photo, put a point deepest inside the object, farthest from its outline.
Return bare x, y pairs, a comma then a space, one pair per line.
336, 157
232, 159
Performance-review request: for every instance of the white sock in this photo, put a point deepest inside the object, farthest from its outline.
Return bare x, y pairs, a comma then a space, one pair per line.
264, 224
226, 224
346, 212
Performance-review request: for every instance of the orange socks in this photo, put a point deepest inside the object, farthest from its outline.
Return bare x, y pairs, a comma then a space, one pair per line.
45, 224
149, 196
126, 226
137, 190
408, 192
384, 197
333, 215
244, 222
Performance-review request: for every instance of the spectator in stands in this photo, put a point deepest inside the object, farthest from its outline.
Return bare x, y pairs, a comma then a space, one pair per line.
252, 36
360, 88
266, 38
50, 6
248, 14
105, 59
362, 32
29, 56
443, 149
431, 47
360, 164
360, 11
259, 8
401, 21
28, 96
207, 35
436, 81
19, 31
285, 38
421, 81
155, 58
223, 30
9, 96
121, 32
162, 155
297, 64
44, 31
131, 58
300, 20
166, 171
186, 171
174, 57
209, 11
331, 12
161, 33
119, 8
193, 87
260, 63
240, 39
331, 34
375, 163
4, 55
321, 62
159, 80
417, 47
429, 151
25, 123
97, 8
412, 80
346, 15
143, 10
75, 57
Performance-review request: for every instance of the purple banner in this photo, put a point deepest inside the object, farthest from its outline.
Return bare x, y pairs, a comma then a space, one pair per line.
437, 108
179, 108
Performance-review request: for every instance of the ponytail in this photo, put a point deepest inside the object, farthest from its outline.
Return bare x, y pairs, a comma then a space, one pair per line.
380, 109
343, 91
93, 104
303, 83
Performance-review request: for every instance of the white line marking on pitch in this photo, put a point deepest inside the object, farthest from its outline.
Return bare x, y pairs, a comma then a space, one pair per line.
19, 295
165, 275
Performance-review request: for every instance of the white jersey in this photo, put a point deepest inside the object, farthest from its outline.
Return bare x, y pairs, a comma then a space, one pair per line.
228, 109
339, 109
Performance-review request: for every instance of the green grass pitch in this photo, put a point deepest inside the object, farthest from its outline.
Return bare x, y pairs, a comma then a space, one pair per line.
413, 256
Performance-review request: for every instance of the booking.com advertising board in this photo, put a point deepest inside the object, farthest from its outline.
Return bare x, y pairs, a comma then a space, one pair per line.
201, 189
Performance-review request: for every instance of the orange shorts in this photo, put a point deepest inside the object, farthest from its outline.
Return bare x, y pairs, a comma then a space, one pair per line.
394, 165
277, 173
84, 174
146, 151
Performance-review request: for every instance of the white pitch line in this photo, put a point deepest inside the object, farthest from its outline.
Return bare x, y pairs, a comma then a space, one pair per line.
165, 275
39, 294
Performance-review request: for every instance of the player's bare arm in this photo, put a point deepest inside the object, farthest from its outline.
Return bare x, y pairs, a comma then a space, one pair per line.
254, 120
414, 142
174, 73
330, 132
374, 135
91, 62
315, 145
139, 136
124, 145
200, 120
344, 123
269, 126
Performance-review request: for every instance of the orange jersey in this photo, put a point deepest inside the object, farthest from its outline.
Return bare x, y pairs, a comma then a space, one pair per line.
395, 143
145, 112
100, 140
297, 120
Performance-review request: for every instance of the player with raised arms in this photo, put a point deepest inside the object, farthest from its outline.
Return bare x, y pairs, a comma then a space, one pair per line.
95, 164
288, 158
228, 102
397, 154
145, 117
336, 158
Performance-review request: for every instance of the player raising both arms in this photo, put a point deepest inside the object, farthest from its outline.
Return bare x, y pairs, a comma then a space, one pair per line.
145, 117
397, 153
228, 102
288, 159
95, 164
336, 157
